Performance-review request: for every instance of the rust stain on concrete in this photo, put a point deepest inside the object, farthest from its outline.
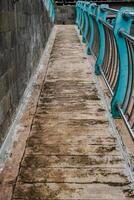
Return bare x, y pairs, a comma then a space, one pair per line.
70, 153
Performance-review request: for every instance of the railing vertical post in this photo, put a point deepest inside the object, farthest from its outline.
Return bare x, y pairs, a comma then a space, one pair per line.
101, 14
80, 16
77, 13
121, 23
86, 22
91, 11
82, 20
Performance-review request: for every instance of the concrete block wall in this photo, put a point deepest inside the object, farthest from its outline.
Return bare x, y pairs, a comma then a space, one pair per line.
65, 14
24, 31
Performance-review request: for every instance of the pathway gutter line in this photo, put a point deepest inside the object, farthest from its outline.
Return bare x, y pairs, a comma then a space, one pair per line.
114, 131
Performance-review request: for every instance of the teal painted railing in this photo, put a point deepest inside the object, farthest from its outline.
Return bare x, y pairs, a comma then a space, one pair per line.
109, 35
50, 6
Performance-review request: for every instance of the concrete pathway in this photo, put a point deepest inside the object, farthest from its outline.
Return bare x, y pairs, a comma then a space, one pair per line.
70, 153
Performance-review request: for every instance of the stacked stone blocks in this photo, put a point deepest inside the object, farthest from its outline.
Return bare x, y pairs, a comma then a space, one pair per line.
24, 31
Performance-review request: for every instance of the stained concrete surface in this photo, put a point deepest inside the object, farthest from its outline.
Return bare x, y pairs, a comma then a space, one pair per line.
70, 152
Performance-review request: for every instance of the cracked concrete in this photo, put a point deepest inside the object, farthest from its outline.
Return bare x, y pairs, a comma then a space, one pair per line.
70, 152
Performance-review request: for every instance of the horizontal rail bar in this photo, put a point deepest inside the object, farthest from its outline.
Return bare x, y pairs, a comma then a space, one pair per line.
111, 91
126, 122
129, 37
110, 10
128, 14
106, 24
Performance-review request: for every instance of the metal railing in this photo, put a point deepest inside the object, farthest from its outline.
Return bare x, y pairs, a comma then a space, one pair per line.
109, 34
73, 2
50, 6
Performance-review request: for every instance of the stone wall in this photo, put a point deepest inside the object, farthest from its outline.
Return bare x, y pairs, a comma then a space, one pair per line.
65, 14
24, 31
